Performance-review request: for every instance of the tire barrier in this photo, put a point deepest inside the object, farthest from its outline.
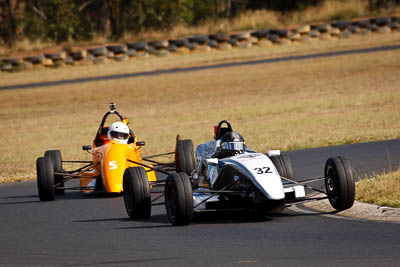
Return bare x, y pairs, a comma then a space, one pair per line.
57, 59
343, 29
97, 52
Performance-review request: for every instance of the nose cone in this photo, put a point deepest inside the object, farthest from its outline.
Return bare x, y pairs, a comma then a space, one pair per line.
114, 165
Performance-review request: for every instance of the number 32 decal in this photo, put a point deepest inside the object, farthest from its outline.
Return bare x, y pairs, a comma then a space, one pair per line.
263, 170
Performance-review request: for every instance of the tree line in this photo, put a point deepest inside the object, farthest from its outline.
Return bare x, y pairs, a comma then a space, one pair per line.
65, 20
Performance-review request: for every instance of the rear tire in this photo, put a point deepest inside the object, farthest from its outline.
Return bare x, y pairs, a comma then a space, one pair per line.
283, 166
179, 199
339, 183
184, 156
136, 193
45, 178
55, 155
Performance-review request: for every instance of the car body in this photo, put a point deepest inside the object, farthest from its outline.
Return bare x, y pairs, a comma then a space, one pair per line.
230, 173
251, 181
111, 158
104, 173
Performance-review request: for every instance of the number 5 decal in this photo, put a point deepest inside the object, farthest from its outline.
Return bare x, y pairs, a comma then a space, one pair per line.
112, 165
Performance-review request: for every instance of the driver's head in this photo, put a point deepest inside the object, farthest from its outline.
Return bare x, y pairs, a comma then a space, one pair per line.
118, 131
232, 143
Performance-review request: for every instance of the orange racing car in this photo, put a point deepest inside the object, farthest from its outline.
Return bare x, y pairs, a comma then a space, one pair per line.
115, 148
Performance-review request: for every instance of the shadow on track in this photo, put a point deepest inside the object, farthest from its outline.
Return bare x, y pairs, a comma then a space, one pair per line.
126, 219
67, 196
27, 196
214, 218
80, 195
147, 261
20, 202
19, 198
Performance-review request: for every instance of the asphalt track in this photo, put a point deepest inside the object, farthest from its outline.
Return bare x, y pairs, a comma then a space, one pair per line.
78, 230
200, 68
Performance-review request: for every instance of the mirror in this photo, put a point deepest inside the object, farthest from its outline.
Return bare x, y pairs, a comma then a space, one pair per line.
140, 143
272, 153
89, 147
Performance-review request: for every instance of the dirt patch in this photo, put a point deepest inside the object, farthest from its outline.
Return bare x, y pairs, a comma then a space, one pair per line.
360, 210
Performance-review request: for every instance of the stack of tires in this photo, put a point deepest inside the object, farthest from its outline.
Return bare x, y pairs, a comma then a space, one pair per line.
138, 49
118, 52
97, 54
206, 42
159, 47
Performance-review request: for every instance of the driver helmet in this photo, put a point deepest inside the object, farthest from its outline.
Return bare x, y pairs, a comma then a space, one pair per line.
118, 131
232, 143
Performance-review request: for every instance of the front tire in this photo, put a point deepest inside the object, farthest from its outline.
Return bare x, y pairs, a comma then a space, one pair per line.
136, 193
45, 178
179, 199
184, 156
55, 155
339, 183
283, 166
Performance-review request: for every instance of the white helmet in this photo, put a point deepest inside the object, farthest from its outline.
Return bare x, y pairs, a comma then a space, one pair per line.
118, 131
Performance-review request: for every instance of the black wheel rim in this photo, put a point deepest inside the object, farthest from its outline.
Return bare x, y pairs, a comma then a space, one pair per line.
171, 201
331, 184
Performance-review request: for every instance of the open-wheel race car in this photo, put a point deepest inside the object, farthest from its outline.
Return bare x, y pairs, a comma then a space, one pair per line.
115, 148
230, 176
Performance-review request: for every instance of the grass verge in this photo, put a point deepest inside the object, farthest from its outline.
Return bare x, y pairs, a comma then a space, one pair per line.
287, 105
382, 190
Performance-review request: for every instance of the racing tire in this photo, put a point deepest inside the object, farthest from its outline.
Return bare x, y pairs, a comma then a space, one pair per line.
341, 25
136, 193
362, 23
138, 46
220, 37
172, 48
35, 60
45, 178
322, 28
13, 61
381, 21
274, 38
241, 36
179, 42
283, 166
212, 44
178, 199
339, 183
55, 156
98, 51
199, 39
161, 44
260, 34
56, 56
282, 33
184, 156
117, 49
78, 54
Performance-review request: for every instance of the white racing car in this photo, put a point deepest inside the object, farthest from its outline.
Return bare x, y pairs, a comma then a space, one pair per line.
230, 176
